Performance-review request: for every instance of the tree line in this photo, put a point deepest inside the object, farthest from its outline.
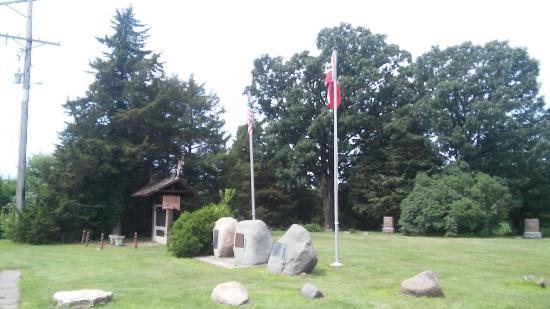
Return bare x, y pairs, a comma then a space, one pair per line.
430, 141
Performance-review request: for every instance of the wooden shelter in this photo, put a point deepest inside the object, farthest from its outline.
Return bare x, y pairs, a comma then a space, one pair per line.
167, 196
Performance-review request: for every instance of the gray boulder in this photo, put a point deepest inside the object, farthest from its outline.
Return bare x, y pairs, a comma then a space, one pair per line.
229, 293
253, 243
310, 291
223, 236
82, 298
293, 253
423, 284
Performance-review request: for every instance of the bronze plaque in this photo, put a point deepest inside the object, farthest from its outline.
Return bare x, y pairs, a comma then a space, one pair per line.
171, 202
215, 239
239, 240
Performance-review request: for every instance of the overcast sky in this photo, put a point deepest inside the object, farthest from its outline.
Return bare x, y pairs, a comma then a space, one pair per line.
217, 41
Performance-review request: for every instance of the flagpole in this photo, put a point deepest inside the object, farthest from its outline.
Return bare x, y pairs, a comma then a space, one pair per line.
250, 121
252, 177
336, 262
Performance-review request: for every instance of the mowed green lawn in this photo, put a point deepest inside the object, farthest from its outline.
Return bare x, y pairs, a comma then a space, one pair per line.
474, 273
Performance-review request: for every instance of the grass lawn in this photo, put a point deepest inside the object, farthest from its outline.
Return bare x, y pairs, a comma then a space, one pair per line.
474, 273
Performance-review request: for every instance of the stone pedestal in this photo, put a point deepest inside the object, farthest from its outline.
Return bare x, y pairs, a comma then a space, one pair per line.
532, 228
253, 243
223, 237
388, 225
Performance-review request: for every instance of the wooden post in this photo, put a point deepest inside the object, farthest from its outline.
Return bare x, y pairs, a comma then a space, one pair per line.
83, 237
87, 237
101, 246
135, 240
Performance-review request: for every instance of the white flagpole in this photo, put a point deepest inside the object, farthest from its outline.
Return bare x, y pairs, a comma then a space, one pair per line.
252, 178
250, 120
336, 262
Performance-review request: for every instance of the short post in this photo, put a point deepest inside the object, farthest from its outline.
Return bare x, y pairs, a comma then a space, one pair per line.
83, 237
135, 240
101, 245
87, 237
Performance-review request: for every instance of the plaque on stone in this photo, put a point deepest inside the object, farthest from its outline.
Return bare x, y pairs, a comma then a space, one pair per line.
252, 242
279, 250
223, 237
532, 228
388, 225
239, 240
215, 240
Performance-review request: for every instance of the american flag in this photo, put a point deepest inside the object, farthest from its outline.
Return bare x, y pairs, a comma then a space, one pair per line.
249, 117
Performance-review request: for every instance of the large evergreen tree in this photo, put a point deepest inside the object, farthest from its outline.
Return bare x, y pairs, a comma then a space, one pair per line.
133, 125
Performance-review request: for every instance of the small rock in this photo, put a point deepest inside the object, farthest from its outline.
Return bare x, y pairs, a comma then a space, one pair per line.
541, 282
423, 284
310, 291
82, 298
229, 293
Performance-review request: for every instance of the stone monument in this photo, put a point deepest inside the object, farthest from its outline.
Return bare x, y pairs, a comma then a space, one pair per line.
223, 237
532, 229
388, 225
293, 253
252, 245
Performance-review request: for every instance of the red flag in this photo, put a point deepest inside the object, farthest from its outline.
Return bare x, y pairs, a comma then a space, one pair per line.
329, 82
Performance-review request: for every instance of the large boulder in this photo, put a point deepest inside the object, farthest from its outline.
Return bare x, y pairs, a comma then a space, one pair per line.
223, 236
229, 293
82, 298
423, 284
293, 253
253, 243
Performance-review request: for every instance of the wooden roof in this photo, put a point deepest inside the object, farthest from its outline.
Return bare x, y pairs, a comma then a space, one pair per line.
171, 185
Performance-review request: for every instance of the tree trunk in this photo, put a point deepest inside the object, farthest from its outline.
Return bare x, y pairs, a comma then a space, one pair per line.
327, 187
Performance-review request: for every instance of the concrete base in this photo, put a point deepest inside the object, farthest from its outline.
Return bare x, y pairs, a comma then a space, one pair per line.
388, 230
223, 262
532, 235
336, 265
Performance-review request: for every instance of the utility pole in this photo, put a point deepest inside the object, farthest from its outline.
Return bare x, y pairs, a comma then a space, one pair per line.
22, 163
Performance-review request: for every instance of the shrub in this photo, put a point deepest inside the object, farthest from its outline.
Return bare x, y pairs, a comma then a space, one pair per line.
7, 221
191, 234
313, 227
455, 202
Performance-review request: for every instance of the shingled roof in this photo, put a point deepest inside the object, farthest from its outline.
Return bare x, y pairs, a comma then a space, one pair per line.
172, 185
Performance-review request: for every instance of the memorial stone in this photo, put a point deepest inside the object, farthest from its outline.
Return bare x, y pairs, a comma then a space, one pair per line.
223, 237
532, 229
253, 242
293, 253
388, 225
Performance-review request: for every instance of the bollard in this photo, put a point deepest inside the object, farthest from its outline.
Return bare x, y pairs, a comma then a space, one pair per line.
83, 237
135, 240
87, 237
101, 246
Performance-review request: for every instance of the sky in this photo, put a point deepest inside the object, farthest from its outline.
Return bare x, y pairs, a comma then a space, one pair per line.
217, 42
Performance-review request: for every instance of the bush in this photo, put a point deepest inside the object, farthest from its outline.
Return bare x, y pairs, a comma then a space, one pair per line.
313, 227
455, 202
7, 221
191, 234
